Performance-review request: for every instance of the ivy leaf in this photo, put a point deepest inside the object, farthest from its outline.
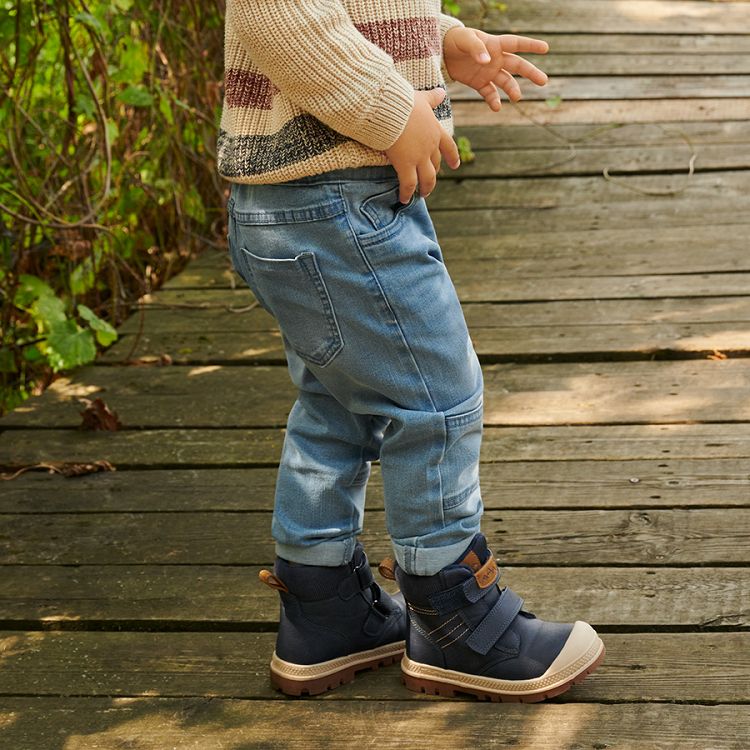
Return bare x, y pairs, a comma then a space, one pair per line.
105, 333
49, 310
136, 96
69, 345
29, 289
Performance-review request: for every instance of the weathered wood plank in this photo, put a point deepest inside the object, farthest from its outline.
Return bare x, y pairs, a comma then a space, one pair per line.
532, 17
526, 195
576, 160
604, 111
209, 722
621, 87
684, 45
638, 667
529, 537
486, 280
191, 448
592, 137
207, 596
623, 62
482, 282
200, 327
569, 393
633, 484
492, 344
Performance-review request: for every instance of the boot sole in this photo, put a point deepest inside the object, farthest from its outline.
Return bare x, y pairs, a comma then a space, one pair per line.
583, 652
312, 679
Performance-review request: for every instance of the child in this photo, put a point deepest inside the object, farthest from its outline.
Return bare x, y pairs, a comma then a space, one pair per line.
334, 112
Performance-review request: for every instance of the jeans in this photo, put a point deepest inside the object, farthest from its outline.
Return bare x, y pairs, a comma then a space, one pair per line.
377, 345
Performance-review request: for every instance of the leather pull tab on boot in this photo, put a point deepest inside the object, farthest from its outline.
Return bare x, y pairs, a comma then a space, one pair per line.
387, 569
267, 577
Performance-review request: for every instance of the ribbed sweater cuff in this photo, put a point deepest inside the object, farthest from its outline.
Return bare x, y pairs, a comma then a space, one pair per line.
446, 24
383, 123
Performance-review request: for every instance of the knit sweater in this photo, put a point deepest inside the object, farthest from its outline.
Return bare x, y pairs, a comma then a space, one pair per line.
316, 85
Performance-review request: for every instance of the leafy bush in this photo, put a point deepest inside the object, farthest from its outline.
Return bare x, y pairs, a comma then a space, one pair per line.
108, 177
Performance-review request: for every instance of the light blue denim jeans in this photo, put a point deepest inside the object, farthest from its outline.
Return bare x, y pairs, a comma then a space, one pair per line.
377, 345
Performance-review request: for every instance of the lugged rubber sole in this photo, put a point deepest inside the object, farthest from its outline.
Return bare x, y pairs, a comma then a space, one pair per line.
582, 654
313, 679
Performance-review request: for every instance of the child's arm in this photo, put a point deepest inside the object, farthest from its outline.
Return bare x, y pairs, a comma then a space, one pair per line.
313, 52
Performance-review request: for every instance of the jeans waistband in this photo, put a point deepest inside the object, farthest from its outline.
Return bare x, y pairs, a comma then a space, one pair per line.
375, 172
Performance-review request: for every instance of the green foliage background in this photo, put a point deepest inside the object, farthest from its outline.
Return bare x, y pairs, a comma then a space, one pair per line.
107, 178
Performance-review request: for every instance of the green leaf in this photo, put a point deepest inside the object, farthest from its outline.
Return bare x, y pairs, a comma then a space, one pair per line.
29, 289
69, 346
32, 354
105, 333
136, 96
91, 21
49, 310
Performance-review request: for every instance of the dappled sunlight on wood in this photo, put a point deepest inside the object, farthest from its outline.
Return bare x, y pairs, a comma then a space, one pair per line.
257, 351
651, 11
205, 369
545, 729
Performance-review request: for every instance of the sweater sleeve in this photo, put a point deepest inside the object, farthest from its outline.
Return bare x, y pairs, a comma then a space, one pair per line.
446, 24
313, 52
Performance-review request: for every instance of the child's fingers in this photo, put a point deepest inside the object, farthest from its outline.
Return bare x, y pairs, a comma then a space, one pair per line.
427, 177
407, 178
449, 150
519, 66
515, 43
491, 96
508, 84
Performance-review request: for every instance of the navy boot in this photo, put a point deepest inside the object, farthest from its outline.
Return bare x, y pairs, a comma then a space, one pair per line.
334, 622
466, 635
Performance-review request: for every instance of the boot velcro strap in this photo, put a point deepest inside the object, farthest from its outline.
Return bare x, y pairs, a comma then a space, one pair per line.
495, 622
468, 592
358, 580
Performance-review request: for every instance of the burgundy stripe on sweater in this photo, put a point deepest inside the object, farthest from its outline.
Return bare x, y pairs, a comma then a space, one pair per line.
402, 39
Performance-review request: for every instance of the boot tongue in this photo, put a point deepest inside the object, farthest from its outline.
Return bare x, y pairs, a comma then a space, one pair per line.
476, 555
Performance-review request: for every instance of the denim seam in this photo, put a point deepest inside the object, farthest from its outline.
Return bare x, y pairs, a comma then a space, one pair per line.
330, 314
387, 302
302, 260
449, 503
459, 420
375, 238
290, 215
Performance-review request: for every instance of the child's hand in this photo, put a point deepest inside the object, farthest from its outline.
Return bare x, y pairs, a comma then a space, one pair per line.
417, 153
462, 50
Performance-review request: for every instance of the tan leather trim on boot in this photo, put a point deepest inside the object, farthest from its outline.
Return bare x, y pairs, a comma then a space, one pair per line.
267, 577
487, 574
387, 568
472, 560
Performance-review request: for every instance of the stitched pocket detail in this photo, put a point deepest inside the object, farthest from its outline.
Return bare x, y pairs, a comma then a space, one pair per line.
459, 464
383, 212
294, 292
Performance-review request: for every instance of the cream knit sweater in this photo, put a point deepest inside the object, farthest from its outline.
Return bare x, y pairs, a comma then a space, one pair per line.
316, 85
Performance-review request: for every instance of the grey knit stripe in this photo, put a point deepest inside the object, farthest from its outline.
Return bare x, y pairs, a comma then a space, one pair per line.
302, 138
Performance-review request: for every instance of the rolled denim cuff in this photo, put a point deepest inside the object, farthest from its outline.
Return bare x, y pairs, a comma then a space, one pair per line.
325, 553
426, 561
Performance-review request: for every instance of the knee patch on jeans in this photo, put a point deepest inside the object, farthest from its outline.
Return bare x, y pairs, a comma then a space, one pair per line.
459, 464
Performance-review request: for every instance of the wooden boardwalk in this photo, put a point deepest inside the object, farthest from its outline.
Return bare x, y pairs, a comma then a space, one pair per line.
600, 250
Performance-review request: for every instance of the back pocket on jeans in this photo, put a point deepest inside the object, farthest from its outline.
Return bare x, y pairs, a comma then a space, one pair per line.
293, 291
